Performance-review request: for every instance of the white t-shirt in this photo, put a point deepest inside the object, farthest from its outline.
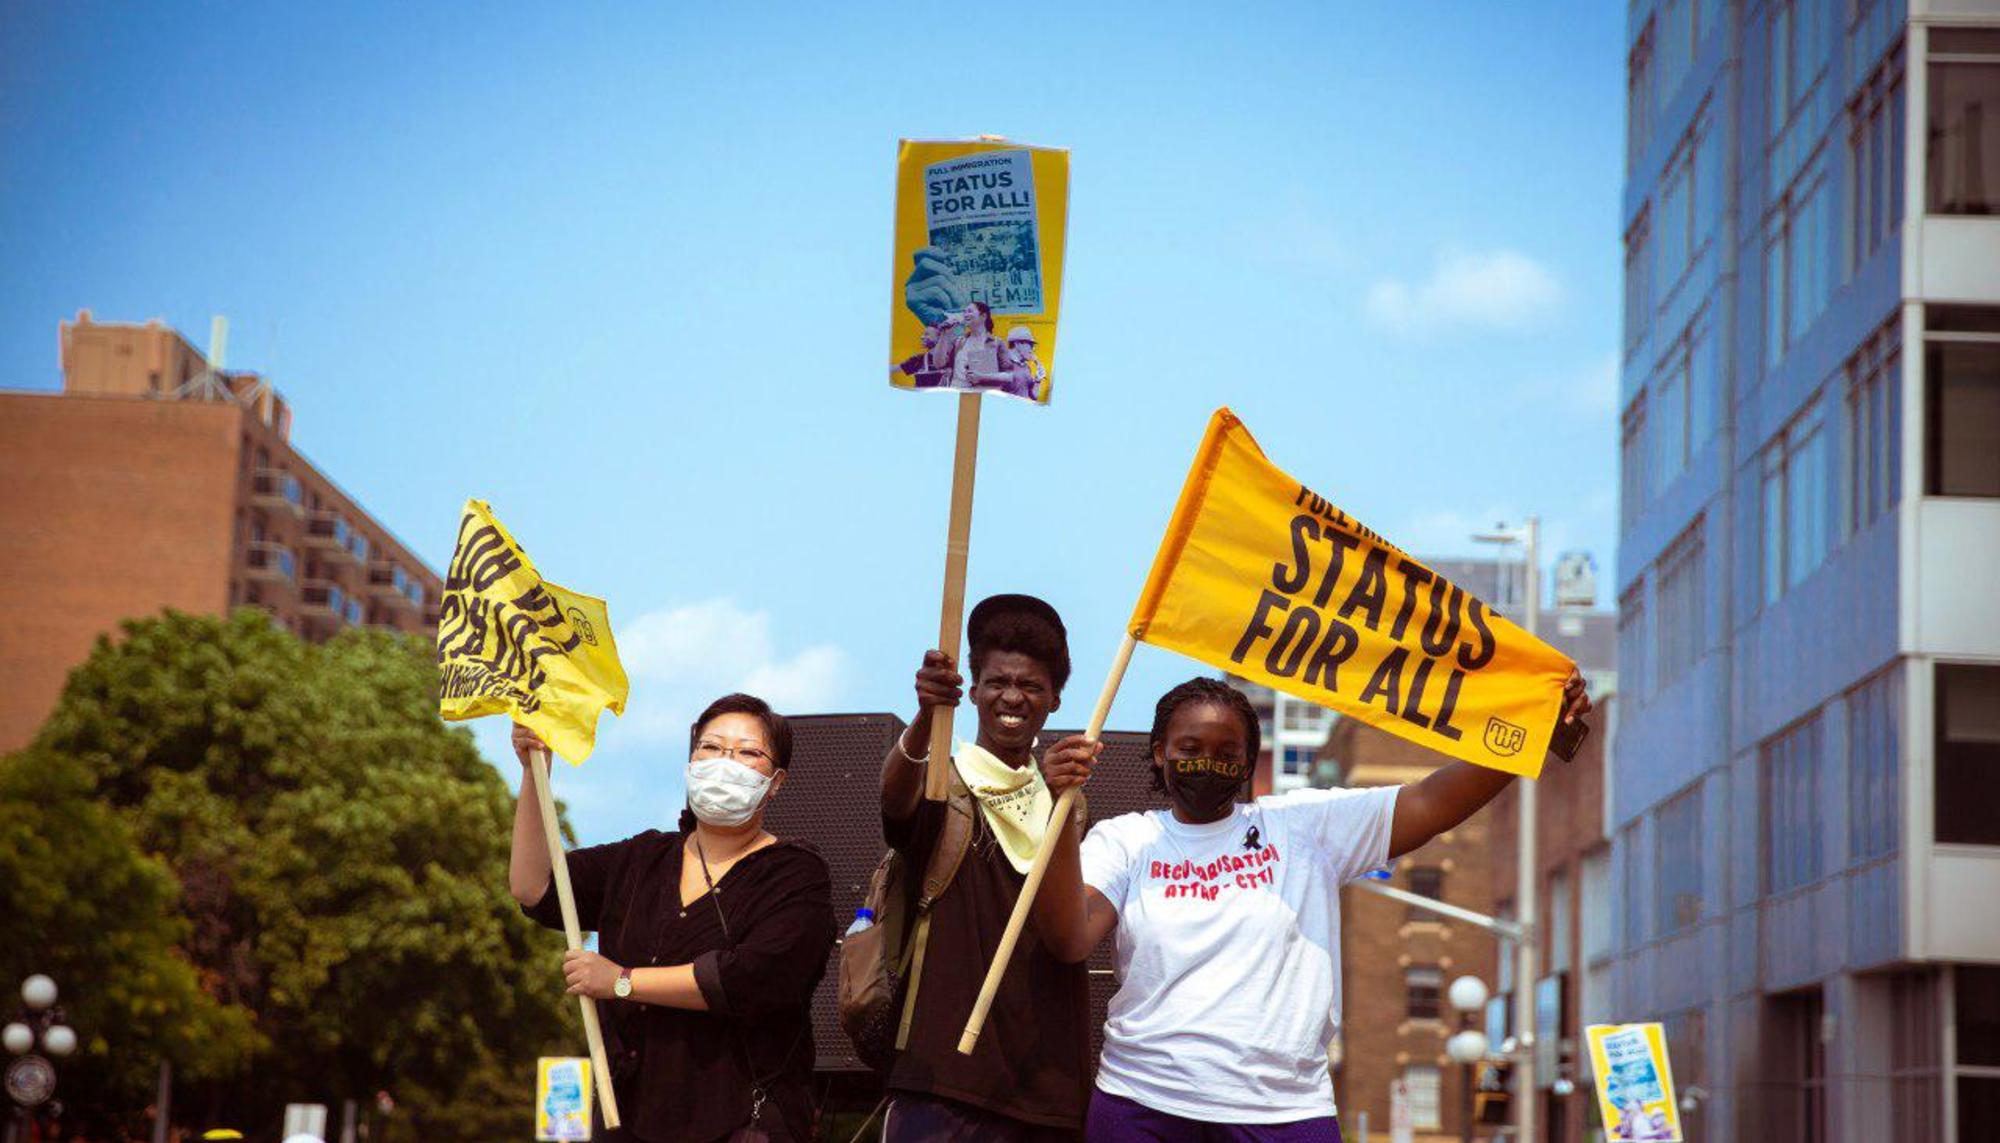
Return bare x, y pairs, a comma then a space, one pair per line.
1228, 951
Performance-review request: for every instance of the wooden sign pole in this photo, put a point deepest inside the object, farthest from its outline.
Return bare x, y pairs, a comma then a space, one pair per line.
607, 1100
937, 771
998, 969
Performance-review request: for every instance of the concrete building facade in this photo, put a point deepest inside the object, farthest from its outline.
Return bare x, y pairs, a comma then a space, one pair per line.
1807, 757
153, 481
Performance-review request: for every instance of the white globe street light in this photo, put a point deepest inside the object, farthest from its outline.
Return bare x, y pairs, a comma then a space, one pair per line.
60, 1040
1467, 1047
38, 992
19, 1038
1468, 994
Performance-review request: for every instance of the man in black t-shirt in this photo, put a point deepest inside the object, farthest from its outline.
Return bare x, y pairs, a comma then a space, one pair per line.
1028, 1078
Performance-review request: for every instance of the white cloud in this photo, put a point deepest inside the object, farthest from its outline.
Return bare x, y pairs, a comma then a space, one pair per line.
1590, 393
679, 660
683, 657
1496, 289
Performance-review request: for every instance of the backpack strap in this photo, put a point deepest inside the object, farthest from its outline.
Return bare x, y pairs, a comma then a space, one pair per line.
954, 839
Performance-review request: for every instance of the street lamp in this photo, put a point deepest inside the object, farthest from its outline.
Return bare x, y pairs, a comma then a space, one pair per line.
30, 1077
1468, 1045
1529, 536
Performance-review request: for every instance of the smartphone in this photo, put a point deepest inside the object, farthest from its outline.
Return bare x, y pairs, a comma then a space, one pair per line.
1568, 739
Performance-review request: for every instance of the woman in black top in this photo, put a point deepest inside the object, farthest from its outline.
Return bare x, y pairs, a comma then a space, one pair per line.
710, 942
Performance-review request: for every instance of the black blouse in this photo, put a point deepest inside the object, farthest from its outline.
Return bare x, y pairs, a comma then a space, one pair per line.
684, 1076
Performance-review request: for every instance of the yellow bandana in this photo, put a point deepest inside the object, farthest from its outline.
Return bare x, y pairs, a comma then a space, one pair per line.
1015, 803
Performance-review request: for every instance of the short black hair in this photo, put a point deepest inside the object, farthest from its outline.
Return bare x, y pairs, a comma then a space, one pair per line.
776, 728
1024, 625
1201, 689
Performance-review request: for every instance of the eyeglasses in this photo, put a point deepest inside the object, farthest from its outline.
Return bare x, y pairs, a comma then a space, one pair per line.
709, 748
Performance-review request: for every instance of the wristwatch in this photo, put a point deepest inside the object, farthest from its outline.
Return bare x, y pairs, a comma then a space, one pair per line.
622, 988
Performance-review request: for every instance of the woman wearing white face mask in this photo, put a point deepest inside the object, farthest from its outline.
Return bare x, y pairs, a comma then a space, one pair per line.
711, 940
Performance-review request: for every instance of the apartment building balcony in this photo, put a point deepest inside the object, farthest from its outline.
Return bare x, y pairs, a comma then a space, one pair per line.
268, 562
390, 585
326, 600
329, 533
276, 488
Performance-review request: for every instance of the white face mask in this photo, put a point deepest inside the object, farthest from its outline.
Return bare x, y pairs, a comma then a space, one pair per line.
724, 792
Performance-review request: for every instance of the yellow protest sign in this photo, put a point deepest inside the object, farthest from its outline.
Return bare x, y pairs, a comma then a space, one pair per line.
509, 642
980, 230
562, 1099
1261, 576
1635, 1082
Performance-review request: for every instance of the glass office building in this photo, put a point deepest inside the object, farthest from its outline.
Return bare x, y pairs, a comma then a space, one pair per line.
1805, 800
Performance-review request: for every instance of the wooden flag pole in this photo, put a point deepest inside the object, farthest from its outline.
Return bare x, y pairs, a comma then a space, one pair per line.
964, 461
607, 1100
998, 969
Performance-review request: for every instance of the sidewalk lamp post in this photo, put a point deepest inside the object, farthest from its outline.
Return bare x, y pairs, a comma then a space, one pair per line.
1468, 1045
1527, 871
30, 1077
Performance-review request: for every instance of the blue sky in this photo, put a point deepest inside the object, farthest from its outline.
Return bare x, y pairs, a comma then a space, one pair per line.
624, 275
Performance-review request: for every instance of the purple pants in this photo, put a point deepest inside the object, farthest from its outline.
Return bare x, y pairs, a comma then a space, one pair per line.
1115, 1119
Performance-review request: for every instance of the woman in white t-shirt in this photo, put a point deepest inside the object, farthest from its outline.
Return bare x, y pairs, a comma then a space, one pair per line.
1227, 918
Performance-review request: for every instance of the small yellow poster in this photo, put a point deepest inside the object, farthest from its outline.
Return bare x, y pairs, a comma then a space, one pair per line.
562, 1098
980, 230
1635, 1083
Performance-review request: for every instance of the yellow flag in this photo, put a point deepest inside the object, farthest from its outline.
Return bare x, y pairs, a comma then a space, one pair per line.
1260, 576
509, 642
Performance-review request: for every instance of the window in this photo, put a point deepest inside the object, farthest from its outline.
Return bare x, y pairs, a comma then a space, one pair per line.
1557, 937
1299, 716
1798, 1049
1424, 988
1683, 624
1632, 640
1639, 95
1968, 754
1295, 759
1963, 142
1631, 901
1425, 881
1632, 464
1875, 156
1801, 46
1976, 1019
1794, 504
1638, 280
1792, 843
1914, 1052
1873, 762
1681, 408
1420, 1083
1798, 258
1597, 937
1678, 832
1874, 428
1962, 405
1687, 1046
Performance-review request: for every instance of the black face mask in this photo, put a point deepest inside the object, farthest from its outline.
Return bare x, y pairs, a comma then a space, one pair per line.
1205, 785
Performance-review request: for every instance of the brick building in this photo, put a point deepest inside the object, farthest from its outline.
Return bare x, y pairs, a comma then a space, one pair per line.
1575, 931
1397, 960
152, 480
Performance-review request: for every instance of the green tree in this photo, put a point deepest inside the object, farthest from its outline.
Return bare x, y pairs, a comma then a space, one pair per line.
82, 902
341, 855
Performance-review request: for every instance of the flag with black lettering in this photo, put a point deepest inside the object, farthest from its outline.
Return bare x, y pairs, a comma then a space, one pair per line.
1260, 576
509, 642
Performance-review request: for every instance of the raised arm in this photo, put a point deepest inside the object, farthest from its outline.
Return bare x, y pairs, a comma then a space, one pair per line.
1070, 917
1457, 790
938, 685
528, 865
